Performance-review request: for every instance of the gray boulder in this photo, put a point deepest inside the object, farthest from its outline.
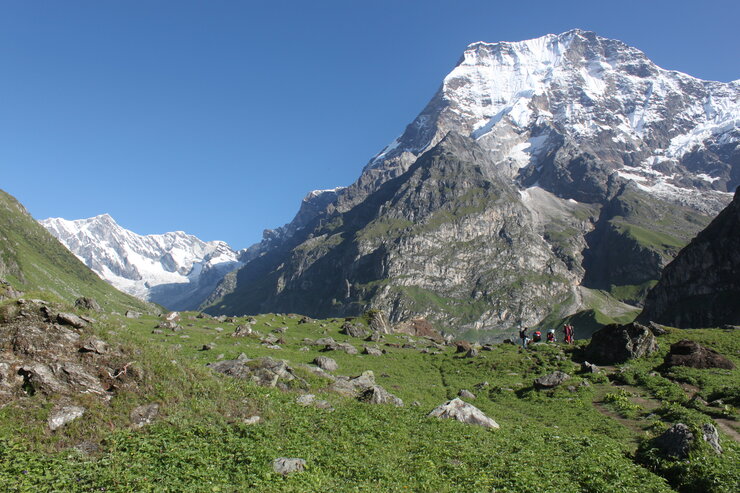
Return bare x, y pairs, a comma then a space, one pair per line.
675, 441
352, 387
466, 394
85, 303
353, 330
372, 351
71, 319
285, 465
378, 395
242, 331
132, 314
326, 363
616, 343
463, 412
710, 435
550, 381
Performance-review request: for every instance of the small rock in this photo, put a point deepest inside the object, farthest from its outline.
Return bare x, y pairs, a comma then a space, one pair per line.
94, 345
285, 465
378, 395
252, 420
64, 415
472, 353
304, 349
71, 319
466, 394
372, 351
587, 367
132, 314
144, 415
157, 331
305, 399
208, 347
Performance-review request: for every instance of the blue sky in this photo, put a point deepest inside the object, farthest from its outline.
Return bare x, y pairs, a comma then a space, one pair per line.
217, 117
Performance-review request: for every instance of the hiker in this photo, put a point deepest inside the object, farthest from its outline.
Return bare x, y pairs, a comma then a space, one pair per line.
568, 333
523, 336
551, 335
537, 337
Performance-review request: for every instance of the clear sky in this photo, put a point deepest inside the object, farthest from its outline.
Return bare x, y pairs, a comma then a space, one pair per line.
217, 117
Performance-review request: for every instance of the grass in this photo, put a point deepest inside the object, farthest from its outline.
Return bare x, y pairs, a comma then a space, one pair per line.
549, 440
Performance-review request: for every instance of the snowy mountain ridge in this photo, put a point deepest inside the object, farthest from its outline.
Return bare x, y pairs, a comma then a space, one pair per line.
520, 99
175, 269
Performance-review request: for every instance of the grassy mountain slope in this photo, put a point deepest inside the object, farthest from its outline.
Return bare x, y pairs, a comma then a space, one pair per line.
33, 261
569, 439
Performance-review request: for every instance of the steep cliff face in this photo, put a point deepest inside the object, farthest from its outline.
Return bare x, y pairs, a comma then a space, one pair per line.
540, 171
701, 287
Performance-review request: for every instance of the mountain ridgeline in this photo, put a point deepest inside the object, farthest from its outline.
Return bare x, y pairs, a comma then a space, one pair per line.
545, 177
32, 261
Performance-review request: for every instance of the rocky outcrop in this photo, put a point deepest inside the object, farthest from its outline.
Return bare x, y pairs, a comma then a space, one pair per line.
694, 355
701, 287
618, 343
42, 356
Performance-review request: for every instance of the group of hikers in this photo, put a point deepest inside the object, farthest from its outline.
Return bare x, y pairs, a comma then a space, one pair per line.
537, 335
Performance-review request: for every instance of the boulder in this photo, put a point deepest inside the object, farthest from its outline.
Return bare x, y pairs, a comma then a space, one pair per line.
550, 381
354, 330
341, 346
587, 367
656, 329
85, 303
132, 314
464, 412
694, 355
285, 465
144, 415
710, 435
71, 319
372, 351
306, 320
466, 394
463, 346
472, 353
378, 395
352, 387
616, 343
94, 345
675, 441
266, 372
64, 415
172, 317
169, 326
326, 363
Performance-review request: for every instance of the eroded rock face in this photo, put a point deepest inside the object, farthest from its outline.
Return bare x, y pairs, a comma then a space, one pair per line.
40, 355
701, 286
694, 355
618, 343
464, 412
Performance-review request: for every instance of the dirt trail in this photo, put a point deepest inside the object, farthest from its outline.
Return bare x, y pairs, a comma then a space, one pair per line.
729, 426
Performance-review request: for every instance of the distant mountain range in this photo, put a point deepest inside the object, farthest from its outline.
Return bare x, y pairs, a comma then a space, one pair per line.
176, 270
545, 177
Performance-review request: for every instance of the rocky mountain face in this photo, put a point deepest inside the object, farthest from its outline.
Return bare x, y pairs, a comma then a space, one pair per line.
176, 270
542, 173
701, 287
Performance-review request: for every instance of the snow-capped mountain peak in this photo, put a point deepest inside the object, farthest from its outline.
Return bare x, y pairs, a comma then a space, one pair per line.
174, 269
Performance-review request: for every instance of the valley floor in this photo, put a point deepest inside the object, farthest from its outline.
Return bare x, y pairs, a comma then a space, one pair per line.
587, 435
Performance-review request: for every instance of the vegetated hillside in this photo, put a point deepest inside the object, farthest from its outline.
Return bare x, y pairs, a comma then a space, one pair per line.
207, 431
32, 260
701, 287
544, 176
